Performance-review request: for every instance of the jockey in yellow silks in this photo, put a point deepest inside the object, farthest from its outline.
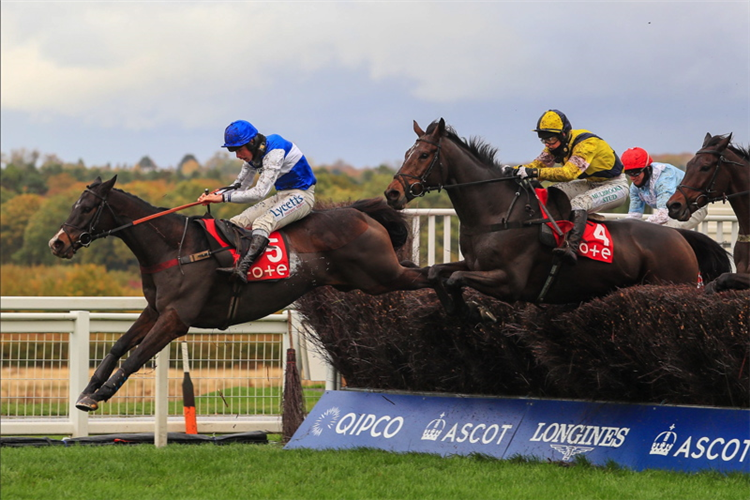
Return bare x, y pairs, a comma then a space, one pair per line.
585, 167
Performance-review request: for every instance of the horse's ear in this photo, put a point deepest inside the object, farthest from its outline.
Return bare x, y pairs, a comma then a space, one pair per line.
706, 139
108, 185
441, 126
724, 142
418, 129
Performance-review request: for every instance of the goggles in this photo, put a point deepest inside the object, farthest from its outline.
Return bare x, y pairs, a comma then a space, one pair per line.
634, 172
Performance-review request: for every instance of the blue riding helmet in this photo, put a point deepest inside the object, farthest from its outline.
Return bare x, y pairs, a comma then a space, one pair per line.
239, 133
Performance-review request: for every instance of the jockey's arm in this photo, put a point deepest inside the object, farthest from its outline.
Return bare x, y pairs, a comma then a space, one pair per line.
579, 161
272, 163
637, 205
664, 188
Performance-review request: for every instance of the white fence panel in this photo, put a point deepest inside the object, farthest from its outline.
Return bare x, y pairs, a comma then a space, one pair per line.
238, 373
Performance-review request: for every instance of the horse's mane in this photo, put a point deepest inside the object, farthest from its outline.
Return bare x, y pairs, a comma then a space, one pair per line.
743, 152
140, 200
476, 146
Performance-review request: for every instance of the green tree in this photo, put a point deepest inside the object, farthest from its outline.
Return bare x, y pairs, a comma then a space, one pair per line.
14, 216
42, 225
6, 194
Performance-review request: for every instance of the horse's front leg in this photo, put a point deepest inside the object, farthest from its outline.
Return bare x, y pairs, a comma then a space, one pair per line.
451, 298
734, 281
496, 283
728, 281
130, 339
168, 327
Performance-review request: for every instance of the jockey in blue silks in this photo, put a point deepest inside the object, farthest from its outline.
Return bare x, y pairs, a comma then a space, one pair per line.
280, 165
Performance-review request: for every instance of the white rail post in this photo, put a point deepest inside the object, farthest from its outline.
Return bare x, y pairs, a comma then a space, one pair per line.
446, 238
78, 371
415, 228
161, 398
431, 240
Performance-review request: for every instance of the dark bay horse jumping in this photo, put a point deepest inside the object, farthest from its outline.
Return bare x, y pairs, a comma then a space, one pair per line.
348, 248
500, 216
719, 171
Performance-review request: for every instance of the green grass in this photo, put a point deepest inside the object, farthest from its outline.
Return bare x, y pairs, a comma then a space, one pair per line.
237, 471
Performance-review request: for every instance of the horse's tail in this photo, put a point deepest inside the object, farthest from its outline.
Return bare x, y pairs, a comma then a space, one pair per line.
393, 220
713, 260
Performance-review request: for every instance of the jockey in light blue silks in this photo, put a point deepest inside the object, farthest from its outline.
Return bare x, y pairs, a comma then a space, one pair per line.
653, 184
281, 165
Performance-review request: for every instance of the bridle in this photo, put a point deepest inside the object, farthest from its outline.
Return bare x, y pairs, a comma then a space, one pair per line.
706, 193
87, 236
418, 188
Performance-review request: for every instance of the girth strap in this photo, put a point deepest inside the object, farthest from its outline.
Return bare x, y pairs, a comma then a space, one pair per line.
187, 259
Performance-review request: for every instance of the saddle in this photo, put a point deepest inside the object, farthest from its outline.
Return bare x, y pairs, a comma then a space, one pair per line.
547, 235
226, 241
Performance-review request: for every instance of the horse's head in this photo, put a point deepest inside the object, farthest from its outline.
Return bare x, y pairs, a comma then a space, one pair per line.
80, 228
704, 180
421, 171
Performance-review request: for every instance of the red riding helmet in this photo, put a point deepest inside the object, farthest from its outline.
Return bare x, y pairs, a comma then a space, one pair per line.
635, 159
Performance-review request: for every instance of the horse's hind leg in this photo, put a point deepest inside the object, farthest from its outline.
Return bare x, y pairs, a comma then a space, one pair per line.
168, 327
130, 339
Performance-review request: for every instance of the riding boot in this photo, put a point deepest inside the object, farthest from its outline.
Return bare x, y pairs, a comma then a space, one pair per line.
258, 244
568, 253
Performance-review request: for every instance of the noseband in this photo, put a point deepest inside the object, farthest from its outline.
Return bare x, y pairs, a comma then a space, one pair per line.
706, 193
418, 188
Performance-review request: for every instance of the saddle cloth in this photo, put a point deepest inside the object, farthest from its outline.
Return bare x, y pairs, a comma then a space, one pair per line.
273, 264
596, 243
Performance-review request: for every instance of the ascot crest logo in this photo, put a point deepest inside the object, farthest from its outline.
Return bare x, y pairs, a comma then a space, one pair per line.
664, 442
434, 429
327, 420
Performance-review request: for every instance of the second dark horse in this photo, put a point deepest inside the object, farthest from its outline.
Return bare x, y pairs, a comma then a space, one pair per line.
504, 256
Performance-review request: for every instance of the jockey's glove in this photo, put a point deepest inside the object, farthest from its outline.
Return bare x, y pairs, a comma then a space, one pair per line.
526, 172
508, 171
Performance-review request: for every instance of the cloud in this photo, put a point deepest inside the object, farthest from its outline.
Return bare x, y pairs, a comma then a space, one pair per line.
151, 67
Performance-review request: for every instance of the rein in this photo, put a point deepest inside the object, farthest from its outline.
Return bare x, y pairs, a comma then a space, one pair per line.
88, 236
419, 188
706, 193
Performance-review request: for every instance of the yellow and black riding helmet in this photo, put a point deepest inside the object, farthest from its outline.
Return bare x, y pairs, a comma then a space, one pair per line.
553, 123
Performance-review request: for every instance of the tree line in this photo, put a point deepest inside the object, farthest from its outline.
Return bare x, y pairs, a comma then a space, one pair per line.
37, 193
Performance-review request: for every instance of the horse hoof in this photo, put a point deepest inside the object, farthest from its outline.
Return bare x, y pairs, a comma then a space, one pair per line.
477, 313
487, 316
86, 403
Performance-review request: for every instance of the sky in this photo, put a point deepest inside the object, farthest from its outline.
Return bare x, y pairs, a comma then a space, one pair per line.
109, 82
